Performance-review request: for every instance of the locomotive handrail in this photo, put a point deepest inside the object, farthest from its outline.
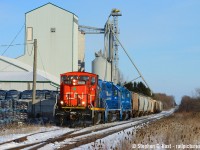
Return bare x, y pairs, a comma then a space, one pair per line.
78, 98
54, 110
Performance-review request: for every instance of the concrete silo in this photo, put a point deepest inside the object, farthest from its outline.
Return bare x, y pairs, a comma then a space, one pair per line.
101, 66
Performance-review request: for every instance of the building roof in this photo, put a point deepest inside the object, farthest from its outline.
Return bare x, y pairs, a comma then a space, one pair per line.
21, 77
28, 68
53, 5
15, 63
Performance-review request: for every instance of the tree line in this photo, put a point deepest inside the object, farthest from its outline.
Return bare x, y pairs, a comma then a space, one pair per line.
190, 103
139, 87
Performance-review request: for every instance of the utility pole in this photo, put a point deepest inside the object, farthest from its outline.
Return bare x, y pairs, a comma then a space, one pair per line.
34, 77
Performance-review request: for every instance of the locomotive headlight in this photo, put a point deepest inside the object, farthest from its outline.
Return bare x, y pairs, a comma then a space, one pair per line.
74, 82
61, 102
83, 103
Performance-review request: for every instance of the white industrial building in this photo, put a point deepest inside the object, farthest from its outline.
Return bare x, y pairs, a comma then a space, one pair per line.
60, 49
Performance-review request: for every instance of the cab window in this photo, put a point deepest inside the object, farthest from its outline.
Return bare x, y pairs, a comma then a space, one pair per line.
115, 92
63, 78
68, 79
84, 78
93, 80
72, 77
127, 95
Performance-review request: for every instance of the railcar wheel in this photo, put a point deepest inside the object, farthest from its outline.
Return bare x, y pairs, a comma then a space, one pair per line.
129, 115
103, 117
61, 120
124, 116
110, 117
118, 115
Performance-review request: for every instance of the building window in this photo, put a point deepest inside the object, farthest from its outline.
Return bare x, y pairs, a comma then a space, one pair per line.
53, 29
29, 34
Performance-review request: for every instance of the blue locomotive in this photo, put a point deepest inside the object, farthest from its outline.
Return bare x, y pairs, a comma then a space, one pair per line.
116, 100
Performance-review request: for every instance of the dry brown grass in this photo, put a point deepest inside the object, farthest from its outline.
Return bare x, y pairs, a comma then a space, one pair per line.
19, 129
180, 128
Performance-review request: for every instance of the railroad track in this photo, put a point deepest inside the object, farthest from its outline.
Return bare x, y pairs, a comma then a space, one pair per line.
24, 138
86, 135
104, 133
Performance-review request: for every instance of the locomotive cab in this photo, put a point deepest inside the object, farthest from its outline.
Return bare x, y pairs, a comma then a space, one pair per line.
78, 91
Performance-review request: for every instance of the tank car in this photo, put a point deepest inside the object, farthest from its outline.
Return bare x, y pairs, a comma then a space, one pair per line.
79, 100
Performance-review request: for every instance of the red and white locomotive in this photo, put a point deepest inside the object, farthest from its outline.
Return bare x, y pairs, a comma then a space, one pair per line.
78, 102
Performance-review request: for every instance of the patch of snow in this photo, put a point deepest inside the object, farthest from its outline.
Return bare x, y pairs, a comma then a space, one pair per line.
36, 137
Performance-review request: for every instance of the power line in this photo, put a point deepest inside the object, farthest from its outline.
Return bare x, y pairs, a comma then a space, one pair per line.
13, 40
42, 64
132, 61
4, 45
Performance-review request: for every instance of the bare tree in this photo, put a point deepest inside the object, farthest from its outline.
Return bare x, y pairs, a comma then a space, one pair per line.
197, 95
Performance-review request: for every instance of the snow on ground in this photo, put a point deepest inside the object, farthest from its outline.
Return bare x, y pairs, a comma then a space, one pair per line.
15, 136
109, 139
112, 141
53, 132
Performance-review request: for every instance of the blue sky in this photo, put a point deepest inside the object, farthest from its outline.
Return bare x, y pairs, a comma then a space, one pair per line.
162, 37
